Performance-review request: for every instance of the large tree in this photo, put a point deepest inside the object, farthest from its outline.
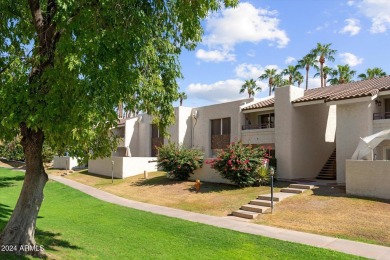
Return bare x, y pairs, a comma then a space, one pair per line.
250, 86
325, 71
269, 74
324, 52
298, 77
343, 74
66, 65
372, 73
306, 62
291, 71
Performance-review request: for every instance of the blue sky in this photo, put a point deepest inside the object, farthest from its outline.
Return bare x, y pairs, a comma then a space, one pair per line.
240, 43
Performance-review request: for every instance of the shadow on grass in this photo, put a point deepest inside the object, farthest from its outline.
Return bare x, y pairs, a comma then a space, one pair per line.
49, 240
9, 181
339, 191
206, 187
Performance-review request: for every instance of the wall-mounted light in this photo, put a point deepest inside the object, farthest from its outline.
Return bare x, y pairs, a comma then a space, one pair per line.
378, 103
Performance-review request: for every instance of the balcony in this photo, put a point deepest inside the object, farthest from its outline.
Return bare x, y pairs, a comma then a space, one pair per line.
378, 116
258, 126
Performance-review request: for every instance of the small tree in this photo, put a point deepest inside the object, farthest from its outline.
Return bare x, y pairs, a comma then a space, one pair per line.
178, 160
241, 164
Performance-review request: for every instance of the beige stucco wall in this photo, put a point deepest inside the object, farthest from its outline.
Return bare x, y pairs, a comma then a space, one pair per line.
300, 135
353, 121
207, 174
258, 136
123, 166
180, 132
64, 162
380, 125
202, 128
368, 178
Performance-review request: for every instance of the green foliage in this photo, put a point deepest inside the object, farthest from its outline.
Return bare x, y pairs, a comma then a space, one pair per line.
264, 177
64, 67
240, 164
12, 151
178, 160
47, 153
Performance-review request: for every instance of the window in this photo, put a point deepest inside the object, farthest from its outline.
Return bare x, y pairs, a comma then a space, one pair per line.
220, 133
267, 120
220, 126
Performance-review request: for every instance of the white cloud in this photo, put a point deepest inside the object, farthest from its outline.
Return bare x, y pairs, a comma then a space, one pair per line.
245, 23
352, 26
379, 13
351, 59
350, 3
252, 71
313, 83
215, 55
221, 91
289, 60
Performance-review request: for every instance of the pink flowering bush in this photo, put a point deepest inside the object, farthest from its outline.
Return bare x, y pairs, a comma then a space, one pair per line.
178, 161
242, 164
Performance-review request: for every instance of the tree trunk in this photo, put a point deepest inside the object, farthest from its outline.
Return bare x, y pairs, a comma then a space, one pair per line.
322, 74
18, 234
307, 77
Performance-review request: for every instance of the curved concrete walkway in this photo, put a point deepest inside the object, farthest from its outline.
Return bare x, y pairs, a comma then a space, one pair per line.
341, 245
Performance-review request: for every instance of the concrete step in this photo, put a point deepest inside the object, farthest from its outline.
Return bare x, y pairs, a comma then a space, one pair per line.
245, 214
292, 190
255, 208
278, 196
301, 186
266, 203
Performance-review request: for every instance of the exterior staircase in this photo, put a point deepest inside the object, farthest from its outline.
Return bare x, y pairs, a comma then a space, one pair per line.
328, 171
262, 204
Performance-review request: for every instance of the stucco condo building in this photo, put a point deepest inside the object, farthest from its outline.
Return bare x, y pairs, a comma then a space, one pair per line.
311, 133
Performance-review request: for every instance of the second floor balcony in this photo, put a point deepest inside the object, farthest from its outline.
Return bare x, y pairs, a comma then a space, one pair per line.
258, 126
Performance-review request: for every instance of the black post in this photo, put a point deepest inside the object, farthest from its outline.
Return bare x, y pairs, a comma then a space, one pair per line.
112, 171
272, 172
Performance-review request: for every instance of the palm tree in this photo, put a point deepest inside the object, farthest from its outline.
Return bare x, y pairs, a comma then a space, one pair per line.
298, 78
291, 71
324, 52
269, 74
326, 71
279, 81
182, 96
250, 86
306, 62
343, 74
372, 73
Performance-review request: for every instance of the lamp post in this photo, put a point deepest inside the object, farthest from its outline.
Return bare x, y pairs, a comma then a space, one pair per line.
112, 171
272, 172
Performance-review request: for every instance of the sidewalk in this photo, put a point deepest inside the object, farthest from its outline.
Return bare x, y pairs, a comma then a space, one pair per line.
341, 245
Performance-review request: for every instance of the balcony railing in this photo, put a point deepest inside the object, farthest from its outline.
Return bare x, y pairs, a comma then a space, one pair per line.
259, 126
377, 116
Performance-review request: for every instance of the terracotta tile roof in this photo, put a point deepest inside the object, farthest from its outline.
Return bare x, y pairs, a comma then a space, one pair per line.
261, 104
356, 89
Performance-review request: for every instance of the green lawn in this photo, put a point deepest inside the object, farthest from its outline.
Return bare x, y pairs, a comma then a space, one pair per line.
72, 225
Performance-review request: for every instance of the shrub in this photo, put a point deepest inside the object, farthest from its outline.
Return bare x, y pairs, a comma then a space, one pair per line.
241, 164
12, 151
179, 161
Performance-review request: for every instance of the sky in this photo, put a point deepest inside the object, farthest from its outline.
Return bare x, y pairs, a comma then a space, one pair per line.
240, 43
